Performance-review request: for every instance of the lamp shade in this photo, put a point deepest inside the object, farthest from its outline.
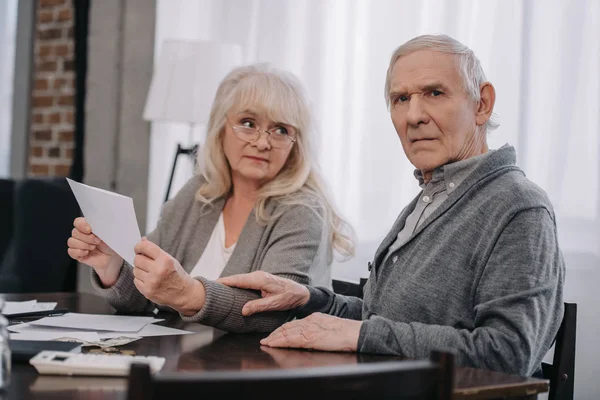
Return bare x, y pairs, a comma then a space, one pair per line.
186, 78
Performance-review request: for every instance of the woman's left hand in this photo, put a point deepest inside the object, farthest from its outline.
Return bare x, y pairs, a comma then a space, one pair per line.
162, 280
317, 331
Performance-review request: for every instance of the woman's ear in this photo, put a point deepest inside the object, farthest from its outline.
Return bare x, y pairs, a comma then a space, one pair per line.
487, 95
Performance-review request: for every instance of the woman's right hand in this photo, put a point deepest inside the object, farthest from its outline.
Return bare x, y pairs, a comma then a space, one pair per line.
278, 294
87, 248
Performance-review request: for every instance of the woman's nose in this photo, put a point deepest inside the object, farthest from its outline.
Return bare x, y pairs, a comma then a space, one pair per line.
262, 142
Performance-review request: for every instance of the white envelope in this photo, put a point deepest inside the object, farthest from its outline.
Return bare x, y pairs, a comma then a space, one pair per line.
111, 216
17, 307
96, 322
27, 329
81, 336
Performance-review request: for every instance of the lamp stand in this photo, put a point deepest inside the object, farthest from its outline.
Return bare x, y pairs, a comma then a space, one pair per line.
191, 151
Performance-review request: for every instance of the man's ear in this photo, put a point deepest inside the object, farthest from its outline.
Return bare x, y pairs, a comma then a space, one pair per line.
485, 107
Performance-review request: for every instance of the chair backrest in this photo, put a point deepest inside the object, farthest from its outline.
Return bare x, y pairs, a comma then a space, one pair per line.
36, 259
349, 288
6, 213
411, 379
561, 372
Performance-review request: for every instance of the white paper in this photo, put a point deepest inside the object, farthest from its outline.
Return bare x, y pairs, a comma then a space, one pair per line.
111, 216
81, 336
17, 307
96, 322
146, 331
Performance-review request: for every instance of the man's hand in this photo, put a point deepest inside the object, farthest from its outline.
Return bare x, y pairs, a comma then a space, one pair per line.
161, 279
279, 294
317, 331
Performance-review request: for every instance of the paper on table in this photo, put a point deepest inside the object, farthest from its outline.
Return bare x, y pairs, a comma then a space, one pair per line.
111, 216
96, 322
146, 331
81, 336
18, 307
29, 327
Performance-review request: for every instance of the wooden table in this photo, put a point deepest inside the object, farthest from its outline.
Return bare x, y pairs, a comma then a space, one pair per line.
211, 349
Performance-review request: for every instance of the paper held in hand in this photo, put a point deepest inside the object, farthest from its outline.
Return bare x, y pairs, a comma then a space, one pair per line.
111, 216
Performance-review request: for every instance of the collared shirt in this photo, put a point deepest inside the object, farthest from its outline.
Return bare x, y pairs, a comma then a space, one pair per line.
444, 180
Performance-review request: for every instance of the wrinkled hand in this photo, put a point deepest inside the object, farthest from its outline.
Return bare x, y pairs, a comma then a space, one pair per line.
279, 294
87, 248
161, 279
317, 331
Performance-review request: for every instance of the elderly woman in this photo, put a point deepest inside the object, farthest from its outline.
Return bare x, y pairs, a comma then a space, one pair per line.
257, 202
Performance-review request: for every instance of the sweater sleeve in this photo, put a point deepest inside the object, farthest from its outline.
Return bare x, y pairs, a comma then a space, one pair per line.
296, 246
517, 305
325, 301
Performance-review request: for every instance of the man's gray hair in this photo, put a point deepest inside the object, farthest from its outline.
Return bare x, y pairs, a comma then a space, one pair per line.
469, 66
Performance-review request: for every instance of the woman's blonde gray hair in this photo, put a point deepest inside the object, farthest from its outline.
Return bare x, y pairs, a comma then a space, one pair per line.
281, 97
468, 65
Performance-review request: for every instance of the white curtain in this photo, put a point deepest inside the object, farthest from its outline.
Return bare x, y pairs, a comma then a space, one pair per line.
8, 23
543, 56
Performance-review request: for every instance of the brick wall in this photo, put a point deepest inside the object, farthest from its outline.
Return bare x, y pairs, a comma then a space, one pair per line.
53, 90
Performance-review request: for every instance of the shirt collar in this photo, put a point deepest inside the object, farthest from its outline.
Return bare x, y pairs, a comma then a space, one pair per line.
452, 174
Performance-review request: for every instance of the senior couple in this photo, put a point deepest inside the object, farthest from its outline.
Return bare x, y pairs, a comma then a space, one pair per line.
471, 264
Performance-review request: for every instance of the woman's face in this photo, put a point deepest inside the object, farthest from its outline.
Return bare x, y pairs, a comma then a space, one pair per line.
256, 162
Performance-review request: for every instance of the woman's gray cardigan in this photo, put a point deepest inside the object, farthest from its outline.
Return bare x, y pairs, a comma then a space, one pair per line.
294, 245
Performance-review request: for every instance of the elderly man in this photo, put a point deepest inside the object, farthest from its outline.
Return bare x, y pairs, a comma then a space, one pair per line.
472, 263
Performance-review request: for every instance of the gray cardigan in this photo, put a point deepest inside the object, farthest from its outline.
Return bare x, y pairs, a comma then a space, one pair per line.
482, 275
295, 245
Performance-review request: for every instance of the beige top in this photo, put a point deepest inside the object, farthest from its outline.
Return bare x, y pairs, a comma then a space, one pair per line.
215, 256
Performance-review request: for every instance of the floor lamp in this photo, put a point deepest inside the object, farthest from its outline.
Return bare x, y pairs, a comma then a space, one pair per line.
184, 83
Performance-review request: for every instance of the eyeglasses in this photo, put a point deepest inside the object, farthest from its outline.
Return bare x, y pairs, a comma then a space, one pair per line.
274, 136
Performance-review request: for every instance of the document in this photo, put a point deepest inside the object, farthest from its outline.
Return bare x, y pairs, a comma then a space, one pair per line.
75, 336
19, 307
146, 331
111, 216
96, 322
29, 330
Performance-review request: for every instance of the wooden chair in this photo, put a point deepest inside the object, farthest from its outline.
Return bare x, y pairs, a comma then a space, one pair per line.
561, 372
410, 379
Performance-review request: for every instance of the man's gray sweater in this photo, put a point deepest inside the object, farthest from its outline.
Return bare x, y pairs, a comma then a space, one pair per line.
482, 275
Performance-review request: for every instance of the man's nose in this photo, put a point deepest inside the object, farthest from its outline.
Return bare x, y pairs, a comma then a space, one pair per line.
416, 113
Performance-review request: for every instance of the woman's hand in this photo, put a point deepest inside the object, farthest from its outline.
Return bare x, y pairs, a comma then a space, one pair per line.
161, 279
278, 294
87, 248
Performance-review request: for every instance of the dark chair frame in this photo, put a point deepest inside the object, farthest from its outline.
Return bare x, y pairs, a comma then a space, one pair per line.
409, 379
561, 372
347, 288
43, 210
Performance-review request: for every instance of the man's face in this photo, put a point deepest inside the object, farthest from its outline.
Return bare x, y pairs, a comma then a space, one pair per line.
431, 111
